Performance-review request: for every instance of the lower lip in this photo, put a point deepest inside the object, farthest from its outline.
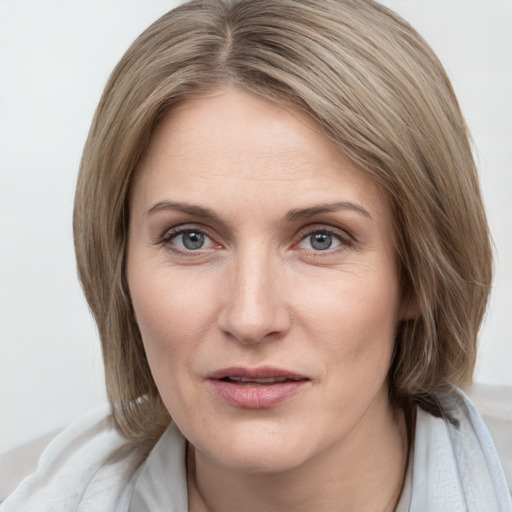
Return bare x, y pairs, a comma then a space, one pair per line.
247, 396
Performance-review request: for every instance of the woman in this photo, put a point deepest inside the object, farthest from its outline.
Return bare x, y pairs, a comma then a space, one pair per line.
280, 233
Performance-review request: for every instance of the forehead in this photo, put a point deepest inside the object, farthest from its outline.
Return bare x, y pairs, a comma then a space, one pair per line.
236, 146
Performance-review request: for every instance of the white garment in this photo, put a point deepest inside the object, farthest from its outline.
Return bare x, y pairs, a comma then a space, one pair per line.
91, 468
454, 469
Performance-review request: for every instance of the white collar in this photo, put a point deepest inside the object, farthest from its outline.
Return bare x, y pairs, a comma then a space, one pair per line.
162, 482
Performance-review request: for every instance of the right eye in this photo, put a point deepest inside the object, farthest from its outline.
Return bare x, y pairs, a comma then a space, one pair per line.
187, 240
190, 240
321, 241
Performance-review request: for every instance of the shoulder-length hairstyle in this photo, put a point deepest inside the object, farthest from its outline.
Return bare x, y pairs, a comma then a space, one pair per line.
377, 90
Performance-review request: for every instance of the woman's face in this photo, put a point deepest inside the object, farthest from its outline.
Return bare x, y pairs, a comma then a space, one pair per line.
264, 282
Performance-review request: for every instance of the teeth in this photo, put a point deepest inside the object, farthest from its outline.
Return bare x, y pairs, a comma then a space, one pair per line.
270, 380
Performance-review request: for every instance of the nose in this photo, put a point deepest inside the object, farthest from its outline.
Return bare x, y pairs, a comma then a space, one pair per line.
255, 307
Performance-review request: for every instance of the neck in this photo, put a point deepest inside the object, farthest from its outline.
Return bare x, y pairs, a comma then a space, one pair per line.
363, 472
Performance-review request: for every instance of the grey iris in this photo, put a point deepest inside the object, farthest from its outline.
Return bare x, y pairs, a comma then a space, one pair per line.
321, 241
193, 240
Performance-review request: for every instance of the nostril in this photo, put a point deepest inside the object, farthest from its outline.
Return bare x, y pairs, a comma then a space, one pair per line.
253, 308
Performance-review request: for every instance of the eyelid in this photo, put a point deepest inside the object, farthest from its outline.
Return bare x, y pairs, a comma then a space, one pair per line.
172, 232
345, 238
308, 230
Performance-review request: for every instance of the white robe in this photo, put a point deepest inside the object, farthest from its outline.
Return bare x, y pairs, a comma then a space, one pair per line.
90, 468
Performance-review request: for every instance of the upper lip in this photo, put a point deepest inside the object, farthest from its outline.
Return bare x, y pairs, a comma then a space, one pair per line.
263, 372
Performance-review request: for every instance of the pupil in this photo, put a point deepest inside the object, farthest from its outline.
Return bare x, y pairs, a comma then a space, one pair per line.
193, 240
321, 241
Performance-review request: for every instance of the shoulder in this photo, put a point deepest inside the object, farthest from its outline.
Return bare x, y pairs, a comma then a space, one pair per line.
88, 466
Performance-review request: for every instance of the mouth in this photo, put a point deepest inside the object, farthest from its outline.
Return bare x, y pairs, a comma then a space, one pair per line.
256, 388
255, 382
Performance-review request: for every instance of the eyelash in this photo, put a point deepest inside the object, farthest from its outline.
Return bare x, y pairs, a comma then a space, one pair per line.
344, 238
171, 234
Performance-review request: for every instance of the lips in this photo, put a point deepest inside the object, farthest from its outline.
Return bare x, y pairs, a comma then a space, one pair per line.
256, 388
245, 380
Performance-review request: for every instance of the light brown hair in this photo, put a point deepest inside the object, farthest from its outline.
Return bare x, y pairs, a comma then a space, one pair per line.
376, 89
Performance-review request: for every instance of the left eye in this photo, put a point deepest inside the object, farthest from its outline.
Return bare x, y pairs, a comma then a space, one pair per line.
190, 240
320, 241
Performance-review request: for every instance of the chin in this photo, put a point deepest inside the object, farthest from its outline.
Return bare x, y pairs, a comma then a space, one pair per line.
269, 460
260, 448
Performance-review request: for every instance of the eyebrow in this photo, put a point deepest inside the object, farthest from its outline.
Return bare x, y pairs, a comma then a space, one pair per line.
299, 214
190, 209
291, 216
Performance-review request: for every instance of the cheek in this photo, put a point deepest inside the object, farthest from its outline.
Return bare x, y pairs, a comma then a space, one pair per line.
172, 316
354, 320
374, 316
169, 334
357, 302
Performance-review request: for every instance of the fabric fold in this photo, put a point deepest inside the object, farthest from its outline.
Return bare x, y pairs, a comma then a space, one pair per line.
162, 482
456, 468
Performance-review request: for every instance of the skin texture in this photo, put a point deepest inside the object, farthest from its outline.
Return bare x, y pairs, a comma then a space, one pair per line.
259, 292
